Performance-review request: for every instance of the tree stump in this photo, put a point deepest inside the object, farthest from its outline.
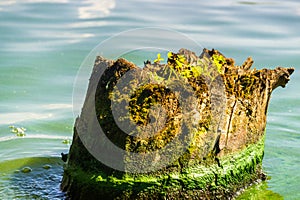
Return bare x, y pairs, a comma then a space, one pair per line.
192, 128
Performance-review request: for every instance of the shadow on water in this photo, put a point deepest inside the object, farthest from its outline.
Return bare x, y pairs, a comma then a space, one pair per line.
31, 178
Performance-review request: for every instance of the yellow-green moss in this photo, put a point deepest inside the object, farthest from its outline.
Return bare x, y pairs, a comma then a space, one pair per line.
219, 60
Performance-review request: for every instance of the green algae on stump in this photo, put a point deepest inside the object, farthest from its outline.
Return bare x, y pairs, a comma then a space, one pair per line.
212, 140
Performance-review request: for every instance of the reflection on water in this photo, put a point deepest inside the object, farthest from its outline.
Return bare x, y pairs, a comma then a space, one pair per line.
48, 111
86, 9
5, 4
48, 36
19, 117
95, 8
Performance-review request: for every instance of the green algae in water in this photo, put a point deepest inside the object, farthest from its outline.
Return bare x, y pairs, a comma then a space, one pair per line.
47, 166
259, 192
41, 183
66, 141
12, 165
18, 131
26, 169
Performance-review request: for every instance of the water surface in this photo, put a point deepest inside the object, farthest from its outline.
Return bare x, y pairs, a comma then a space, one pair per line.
43, 43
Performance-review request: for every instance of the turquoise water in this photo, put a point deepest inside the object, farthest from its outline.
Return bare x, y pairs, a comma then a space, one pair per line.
44, 42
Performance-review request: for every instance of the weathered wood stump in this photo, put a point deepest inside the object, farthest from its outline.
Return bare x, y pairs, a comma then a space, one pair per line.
192, 128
